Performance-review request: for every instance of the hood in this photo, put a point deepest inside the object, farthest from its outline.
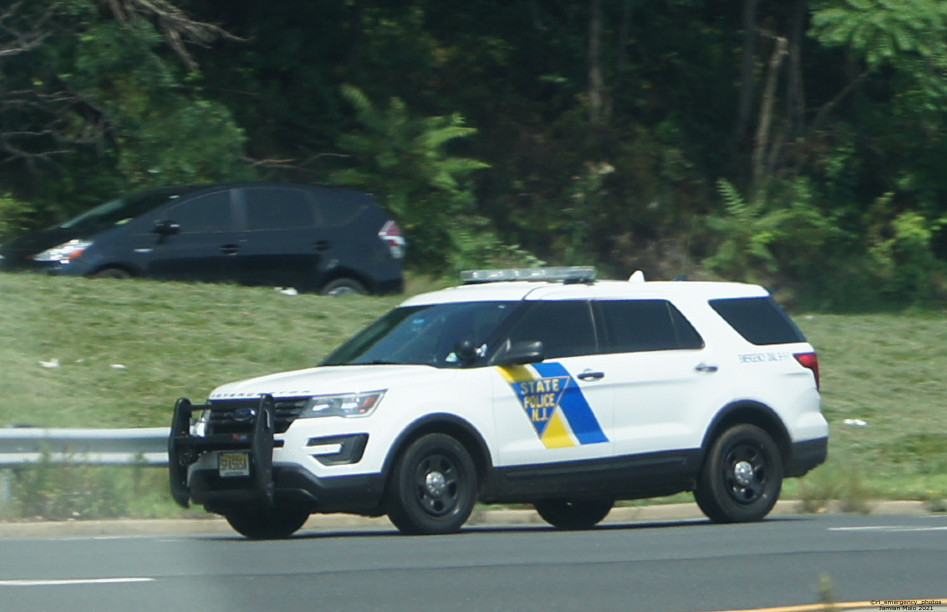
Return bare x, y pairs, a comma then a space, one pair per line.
15, 252
326, 380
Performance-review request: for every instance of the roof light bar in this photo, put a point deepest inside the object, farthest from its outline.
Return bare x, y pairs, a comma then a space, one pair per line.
566, 274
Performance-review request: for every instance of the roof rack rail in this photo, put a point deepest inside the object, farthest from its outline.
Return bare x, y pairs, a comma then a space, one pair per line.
565, 274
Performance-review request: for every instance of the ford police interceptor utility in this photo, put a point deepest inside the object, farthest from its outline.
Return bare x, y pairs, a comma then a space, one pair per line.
540, 386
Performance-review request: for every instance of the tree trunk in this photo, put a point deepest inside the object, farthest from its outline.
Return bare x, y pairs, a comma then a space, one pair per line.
761, 142
596, 80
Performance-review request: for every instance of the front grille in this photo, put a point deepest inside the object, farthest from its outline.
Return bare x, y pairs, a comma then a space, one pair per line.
224, 419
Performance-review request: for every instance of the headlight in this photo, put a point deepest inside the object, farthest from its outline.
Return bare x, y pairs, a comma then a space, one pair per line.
66, 251
344, 405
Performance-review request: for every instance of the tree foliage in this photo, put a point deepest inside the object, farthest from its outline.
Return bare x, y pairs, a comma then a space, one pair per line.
795, 143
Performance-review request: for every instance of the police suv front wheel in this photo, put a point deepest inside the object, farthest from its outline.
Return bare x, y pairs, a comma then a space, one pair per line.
433, 488
571, 515
742, 476
264, 523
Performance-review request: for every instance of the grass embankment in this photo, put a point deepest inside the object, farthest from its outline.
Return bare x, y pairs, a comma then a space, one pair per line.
124, 351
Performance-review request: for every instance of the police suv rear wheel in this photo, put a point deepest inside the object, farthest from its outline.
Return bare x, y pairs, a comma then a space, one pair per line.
742, 476
571, 515
433, 488
262, 523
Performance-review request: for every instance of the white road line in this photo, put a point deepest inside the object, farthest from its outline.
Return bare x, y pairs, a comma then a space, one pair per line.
888, 528
76, 581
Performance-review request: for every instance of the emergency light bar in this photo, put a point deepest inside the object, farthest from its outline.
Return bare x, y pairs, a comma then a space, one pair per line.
566, 274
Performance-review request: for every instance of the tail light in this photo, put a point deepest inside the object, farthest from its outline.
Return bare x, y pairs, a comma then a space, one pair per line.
810, 361
391, 235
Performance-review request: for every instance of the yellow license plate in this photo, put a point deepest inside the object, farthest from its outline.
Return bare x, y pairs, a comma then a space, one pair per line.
231, 465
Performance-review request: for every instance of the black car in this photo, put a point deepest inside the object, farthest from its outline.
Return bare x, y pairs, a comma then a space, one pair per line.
327, 240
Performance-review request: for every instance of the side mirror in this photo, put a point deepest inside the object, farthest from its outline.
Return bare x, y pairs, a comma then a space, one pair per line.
166, 228
519, 353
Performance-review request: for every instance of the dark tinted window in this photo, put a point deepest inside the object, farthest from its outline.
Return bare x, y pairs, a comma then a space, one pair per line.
565, 328
759, 320
278, 208
208, 213
646, 325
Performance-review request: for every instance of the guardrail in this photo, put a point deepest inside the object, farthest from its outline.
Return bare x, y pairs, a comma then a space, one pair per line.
25, 445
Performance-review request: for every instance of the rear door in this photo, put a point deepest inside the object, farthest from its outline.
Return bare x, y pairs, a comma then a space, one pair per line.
661, 373
285, 237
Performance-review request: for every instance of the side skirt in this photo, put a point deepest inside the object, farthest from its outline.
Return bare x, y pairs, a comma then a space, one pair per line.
628, 477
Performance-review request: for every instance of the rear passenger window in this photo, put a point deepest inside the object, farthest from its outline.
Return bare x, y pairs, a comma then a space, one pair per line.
565, 328
276, 209
760, 320
646, 325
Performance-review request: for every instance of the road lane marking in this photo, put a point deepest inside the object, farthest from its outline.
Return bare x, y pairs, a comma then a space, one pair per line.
73, 581
888, 528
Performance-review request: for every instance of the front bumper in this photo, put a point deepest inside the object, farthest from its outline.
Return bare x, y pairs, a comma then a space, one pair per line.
266, 484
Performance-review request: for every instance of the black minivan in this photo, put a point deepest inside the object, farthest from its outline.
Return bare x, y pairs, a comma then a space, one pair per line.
318, 239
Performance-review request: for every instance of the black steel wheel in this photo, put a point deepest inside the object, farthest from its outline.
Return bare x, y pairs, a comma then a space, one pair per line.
263, 523
742, 476
574, 514
433, 488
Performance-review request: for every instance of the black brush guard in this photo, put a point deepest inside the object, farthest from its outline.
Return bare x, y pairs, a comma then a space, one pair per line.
185, 449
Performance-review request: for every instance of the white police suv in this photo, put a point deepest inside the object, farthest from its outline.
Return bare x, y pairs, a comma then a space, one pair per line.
541, 386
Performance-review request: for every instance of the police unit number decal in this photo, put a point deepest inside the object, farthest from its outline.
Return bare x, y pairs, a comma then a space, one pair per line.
554, 404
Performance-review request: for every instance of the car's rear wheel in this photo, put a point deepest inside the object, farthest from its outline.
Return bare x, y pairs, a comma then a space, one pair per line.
433, 488
742, 476
343, 286
263, 523
574, 514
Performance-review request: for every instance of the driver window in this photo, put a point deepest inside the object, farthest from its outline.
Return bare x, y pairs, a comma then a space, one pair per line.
565, 328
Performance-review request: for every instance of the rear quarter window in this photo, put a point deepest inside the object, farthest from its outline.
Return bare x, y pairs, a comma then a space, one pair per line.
760, 320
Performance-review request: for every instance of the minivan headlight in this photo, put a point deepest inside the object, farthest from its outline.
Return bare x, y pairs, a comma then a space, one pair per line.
344, 405
66, 251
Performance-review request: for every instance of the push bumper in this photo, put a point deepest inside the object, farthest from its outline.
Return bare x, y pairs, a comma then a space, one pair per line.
266, 483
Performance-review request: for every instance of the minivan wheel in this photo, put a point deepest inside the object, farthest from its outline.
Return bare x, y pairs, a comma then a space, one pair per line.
742, 476
263, 523
433, 488
120, 273
574, 514
343, 286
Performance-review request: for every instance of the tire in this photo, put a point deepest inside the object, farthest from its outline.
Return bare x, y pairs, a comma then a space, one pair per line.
433, 488
343, 286
742, 476
574, 515
119, 273
261, 523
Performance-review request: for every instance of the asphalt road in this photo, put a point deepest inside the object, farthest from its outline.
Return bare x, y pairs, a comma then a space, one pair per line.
680, 565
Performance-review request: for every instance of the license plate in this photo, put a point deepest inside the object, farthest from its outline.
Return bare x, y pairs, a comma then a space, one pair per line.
231, 465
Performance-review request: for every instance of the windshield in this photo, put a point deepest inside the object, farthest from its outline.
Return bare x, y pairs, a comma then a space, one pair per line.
424, 334
122, 210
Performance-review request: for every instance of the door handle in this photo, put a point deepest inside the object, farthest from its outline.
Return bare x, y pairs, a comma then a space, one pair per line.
707, 368
589, 375
229, 249
322, 245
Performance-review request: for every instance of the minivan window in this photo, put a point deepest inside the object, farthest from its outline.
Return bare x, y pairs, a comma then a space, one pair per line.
565, 328
646, 325
277, 209
759, 320
207, 213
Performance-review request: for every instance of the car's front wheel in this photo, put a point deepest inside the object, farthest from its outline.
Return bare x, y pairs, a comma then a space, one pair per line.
263, 523
573, 514
742, 476
433, 488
